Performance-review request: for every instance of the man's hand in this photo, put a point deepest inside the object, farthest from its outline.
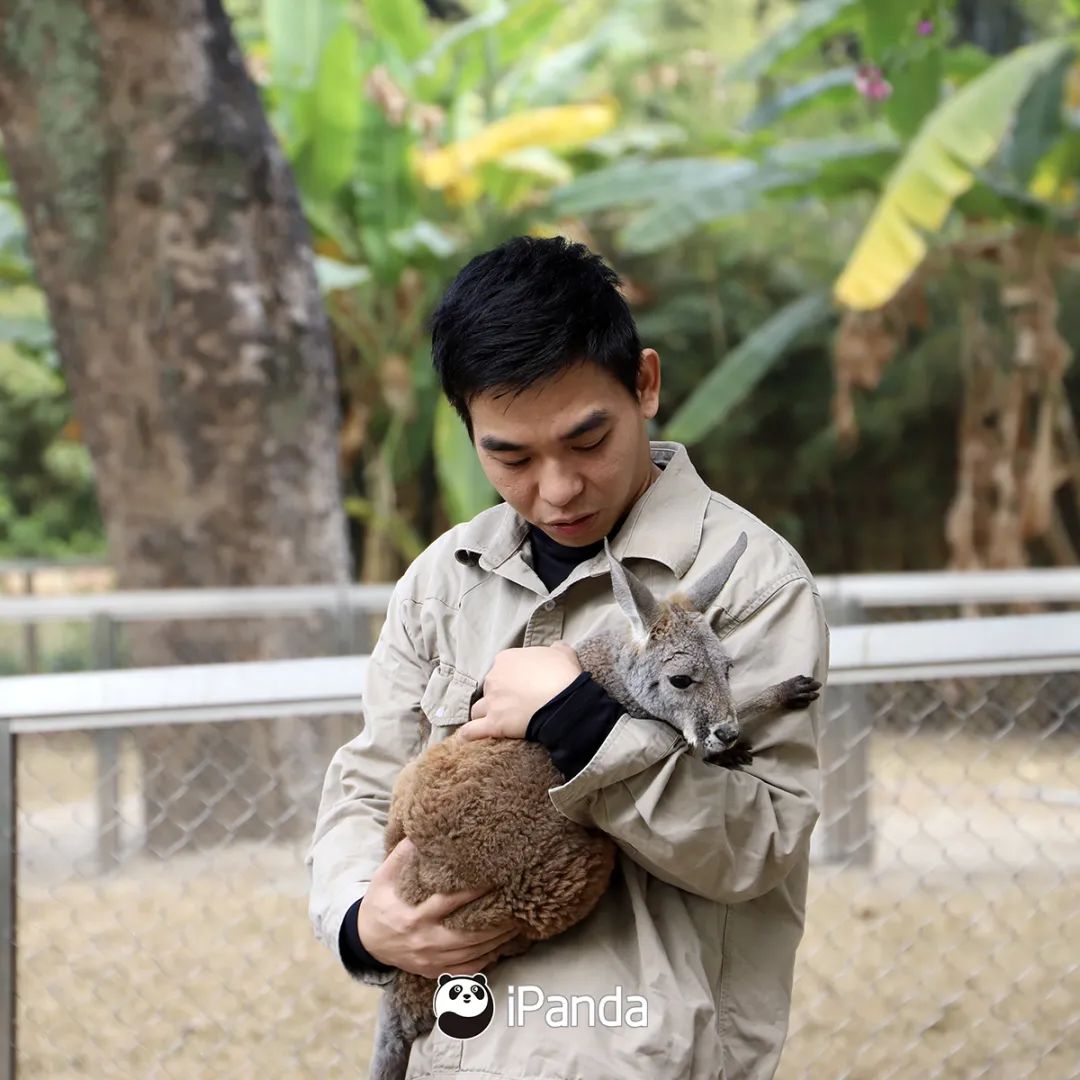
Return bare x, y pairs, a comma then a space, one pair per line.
412, 937
519, 682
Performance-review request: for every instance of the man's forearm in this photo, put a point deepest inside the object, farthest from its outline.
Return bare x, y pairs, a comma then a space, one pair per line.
354, 955
575, 723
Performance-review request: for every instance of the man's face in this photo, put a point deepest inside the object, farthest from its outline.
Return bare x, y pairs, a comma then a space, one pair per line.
599, 470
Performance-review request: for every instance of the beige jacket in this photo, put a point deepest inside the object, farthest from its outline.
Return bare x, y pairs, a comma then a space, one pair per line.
706, 905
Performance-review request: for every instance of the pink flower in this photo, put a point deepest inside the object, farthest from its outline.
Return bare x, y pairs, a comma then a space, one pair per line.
925, 27
870, 82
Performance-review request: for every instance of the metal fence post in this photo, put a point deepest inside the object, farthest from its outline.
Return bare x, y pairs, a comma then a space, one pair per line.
845, 833
8, 868
346, 623
32, 663
107, 749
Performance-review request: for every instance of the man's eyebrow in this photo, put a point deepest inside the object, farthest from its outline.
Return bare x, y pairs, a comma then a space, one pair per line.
595, 419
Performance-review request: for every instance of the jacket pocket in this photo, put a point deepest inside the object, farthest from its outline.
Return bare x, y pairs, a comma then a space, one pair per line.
448, 696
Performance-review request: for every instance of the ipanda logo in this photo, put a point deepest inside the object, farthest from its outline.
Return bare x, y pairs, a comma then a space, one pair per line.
464, 1007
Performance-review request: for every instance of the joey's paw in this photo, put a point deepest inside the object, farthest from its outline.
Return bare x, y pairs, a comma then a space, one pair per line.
800, 691
734, 757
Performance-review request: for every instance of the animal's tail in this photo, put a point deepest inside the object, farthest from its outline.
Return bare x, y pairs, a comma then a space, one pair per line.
390, 1056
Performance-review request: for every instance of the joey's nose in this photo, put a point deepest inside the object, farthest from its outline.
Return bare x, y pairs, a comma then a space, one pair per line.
726, 732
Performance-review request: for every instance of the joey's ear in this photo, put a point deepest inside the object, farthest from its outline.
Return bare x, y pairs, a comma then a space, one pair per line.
704, 591
444, 979
633, 597
481, 977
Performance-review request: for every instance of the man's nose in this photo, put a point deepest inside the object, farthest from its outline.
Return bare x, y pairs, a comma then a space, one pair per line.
560, 487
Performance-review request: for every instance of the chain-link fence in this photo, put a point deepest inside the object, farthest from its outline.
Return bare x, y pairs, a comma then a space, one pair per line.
954, 951
947, 945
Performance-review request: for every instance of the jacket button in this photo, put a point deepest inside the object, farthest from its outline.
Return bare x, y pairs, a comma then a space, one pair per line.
549, 605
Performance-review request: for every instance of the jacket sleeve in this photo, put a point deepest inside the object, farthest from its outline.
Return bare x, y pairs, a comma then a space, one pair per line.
354, 955
723, 834
573, 725
347, 845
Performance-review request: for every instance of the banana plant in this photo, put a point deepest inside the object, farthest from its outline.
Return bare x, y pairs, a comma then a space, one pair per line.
945, 158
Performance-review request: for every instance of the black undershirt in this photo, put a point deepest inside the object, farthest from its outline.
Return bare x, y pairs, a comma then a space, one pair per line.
572, 725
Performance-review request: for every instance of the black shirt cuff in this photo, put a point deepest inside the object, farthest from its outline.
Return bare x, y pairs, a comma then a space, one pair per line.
353, 954
574, 723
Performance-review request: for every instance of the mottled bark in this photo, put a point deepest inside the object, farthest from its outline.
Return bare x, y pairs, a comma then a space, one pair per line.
168, 237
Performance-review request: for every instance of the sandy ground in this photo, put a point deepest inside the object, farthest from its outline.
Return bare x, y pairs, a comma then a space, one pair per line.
59, 581
957, 954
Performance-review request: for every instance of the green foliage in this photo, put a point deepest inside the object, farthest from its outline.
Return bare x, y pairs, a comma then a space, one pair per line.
833, 87
959, 137
728, 195
733, 380
47, 500
464, 485
809, 26
401, 23
335, 117
47, 503
681, 195
1039, 121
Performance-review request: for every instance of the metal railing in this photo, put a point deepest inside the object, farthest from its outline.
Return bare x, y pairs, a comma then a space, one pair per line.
848, 599
944, 697
868, 591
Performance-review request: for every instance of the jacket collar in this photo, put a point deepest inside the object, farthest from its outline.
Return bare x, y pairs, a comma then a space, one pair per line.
678, 495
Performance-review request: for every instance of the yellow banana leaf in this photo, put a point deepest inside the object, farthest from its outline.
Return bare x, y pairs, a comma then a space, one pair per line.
961, 135
562, 125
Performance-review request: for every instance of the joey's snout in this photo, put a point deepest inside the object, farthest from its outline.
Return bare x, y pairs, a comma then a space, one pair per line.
721, 736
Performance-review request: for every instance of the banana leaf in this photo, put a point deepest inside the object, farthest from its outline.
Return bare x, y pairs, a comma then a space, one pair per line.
959, 137
465, 488
814, 21
733, 379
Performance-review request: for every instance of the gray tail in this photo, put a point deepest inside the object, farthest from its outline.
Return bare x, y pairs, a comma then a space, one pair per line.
390, 1055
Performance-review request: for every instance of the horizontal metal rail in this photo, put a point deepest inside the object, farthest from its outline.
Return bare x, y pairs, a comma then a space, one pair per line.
190, 693
929, 588
1007, 644
135, 605
951, 648
867, 590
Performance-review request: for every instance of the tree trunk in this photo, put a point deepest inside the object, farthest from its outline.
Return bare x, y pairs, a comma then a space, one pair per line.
168, 237
998, 26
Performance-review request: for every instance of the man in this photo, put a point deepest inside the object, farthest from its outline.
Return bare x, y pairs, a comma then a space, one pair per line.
536, 349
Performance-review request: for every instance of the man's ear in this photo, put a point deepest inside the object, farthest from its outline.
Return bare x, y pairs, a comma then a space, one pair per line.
648, 383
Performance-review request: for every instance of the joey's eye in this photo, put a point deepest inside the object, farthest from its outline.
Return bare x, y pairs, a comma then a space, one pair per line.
680, 681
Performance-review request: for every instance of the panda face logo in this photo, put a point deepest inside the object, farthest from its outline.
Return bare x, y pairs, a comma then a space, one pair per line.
463, 1005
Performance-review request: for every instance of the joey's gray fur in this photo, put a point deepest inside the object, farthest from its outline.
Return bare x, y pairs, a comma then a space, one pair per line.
547, 871
673, 667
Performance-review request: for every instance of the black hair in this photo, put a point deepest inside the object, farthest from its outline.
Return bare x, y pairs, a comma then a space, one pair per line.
525, 311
